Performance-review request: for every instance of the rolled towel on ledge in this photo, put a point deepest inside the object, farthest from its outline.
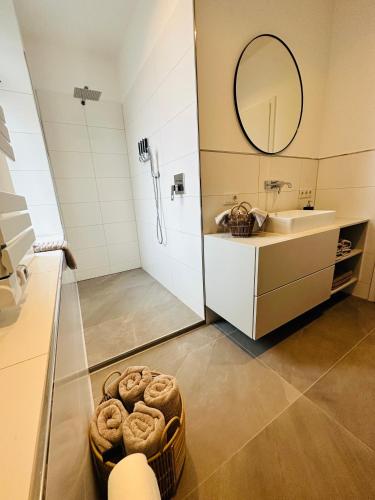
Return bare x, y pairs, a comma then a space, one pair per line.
130, 385
163, 393
51, 246
106, 427
143, 429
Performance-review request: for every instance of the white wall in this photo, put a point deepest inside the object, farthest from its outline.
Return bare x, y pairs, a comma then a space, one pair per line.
60, 69
30, 172
160, 103
88, 154
346, 182
223, 29
229, 164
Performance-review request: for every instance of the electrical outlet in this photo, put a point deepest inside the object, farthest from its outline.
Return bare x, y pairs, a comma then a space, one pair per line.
230, 200
305, 194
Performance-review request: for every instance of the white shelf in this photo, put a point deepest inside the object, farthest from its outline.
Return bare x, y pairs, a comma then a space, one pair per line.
344, 285
355, 251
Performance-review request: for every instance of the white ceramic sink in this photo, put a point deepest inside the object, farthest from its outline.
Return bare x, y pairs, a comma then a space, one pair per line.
294, 221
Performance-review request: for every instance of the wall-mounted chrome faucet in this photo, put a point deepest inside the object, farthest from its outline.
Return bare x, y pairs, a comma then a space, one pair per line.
276, 185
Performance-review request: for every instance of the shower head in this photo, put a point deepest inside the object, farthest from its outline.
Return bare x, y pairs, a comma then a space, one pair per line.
86, 93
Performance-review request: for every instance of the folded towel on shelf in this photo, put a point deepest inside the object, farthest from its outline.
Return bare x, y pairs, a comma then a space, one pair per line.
163, 393
143, 429
222, 218
51, 246
260, 216
341, 279
107, 424
130, 385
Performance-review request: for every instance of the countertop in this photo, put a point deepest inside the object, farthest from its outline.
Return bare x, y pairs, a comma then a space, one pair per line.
262, 239
27, 337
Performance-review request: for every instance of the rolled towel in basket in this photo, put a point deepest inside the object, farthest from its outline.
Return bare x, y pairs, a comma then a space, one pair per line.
143, 429
130, 385
163, 393
107, 424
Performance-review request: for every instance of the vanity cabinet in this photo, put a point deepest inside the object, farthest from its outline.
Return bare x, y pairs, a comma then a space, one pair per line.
262, 282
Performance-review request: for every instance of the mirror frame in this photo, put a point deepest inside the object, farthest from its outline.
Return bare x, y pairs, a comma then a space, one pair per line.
235, 93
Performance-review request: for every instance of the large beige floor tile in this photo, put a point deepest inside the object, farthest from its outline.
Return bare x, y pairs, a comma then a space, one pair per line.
347, 392
229, 397
126, 310
305, 349
302, 455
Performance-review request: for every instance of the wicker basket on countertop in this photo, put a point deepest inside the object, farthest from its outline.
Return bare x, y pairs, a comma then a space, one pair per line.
241, 221
167, 463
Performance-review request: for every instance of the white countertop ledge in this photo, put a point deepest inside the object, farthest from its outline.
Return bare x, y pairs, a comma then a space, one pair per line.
262, 239
25, 342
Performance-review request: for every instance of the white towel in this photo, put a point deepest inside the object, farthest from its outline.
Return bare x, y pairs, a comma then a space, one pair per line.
260, 215
219, 218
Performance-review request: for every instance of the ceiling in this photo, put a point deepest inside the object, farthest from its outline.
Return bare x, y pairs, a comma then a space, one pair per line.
95, 25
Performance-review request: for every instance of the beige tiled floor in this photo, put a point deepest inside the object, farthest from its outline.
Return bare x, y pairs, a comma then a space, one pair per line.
287, 417
123, 311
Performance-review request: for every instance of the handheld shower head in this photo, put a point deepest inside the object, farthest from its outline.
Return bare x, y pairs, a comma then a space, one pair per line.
86, 93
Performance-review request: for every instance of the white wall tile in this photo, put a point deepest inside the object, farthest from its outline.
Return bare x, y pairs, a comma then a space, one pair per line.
90, 163
114, 189
123, 257
279, 168
272, 202
90, 258
224, 173
76, 190
106, 140
20, 112
357, 170
60, 108
180, 135
309, 173
120, 232
117, 211
30, 152
111, 165
104, 114
85, 237
37, 187
66, 137
81, 214
71, 164
178, 90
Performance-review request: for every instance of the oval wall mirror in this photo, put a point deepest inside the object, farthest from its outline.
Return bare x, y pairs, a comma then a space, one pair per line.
268, 94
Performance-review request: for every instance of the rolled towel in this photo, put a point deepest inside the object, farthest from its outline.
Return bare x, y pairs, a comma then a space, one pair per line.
163, 393
107, 423
143, 429
130, 385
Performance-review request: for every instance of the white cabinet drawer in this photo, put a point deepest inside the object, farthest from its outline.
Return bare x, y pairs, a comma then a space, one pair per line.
277, 307
285, 262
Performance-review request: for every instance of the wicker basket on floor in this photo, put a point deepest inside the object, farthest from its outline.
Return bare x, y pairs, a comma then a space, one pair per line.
167, 463
241, 221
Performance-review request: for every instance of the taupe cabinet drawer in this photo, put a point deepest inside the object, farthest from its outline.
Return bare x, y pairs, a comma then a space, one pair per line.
275, 308
285, 262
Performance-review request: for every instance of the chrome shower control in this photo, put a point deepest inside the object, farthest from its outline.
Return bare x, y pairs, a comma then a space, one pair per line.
179, 185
